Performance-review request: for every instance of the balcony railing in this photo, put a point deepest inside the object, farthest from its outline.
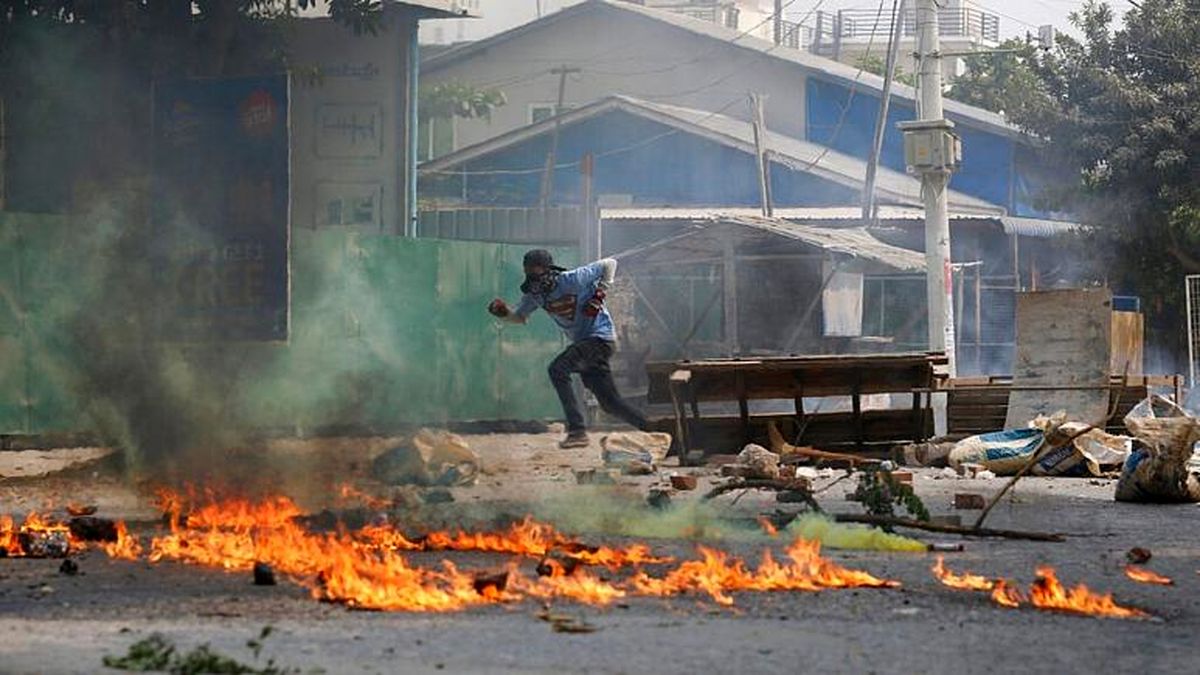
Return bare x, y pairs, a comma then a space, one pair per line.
833, 28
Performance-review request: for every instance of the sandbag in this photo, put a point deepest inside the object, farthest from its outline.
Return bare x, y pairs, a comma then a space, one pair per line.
1094, 453
1159, 469
1001, 452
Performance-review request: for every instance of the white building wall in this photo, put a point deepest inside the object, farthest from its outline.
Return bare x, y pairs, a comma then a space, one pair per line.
622, 54
491, 17
347, 93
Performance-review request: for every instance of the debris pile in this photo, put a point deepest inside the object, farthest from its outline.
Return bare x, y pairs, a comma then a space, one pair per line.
433, 457
1160, 468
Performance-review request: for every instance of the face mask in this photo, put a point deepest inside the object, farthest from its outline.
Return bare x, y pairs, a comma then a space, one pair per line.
538, 284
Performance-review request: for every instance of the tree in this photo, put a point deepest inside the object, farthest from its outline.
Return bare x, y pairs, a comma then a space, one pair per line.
1008, 82
458, 99
1119, 109
875, 64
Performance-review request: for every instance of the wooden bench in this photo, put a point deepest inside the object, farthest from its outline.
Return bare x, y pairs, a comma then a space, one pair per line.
686, 384
980, 404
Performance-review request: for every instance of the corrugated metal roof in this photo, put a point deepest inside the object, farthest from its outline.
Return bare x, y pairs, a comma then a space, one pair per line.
442, 9
826, 213
799, 155
1038, 227
855, 242
818, 65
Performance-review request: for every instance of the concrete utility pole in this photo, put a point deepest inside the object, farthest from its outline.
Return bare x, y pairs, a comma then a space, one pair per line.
552, 153
933, 151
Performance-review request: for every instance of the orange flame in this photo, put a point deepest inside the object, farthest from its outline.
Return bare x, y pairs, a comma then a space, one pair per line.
717, 575
1005, 595
1048, 593
367, 568
348, 491
767, 526
126, 547
1145, 576
965, 581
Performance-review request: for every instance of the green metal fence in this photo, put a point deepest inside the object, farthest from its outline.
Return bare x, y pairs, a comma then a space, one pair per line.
385, 331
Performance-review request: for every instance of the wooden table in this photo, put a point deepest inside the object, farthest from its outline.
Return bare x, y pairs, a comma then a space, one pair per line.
686, 384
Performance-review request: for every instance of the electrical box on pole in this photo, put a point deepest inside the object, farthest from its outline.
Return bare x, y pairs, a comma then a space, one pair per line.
931, 146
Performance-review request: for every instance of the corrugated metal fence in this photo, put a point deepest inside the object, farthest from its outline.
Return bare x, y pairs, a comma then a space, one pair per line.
385, 331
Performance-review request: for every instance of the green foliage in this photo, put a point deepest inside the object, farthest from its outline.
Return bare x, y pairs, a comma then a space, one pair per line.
149, 655
458, 99
157, 654
1119, 108
1008, 82
873, 63
880, 493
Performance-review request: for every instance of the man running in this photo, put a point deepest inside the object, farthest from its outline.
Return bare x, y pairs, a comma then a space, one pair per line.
575, 300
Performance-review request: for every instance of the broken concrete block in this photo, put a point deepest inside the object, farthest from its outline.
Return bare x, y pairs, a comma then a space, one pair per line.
970, 469
637, 468
594, 477
622, 447
431, 457
762, 462
659, 498
905, 477
437, 497
969, 500
683, 482
264, 574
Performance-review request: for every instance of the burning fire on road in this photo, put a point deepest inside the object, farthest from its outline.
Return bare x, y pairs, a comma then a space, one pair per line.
368, 568
1046, 592
1142, 575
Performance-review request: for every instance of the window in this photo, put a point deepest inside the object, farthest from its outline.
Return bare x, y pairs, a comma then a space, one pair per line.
435, 137
544, 111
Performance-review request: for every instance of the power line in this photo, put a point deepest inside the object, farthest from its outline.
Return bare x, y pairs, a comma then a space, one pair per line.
652, 139
655, 138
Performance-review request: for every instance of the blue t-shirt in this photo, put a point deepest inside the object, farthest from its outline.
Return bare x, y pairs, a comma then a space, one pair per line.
565, 304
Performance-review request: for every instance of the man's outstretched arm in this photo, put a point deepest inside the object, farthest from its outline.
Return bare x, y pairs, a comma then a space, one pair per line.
608, 270
500, 309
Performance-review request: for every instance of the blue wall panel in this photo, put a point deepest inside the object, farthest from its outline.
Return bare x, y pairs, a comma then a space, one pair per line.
987, 157
661, 166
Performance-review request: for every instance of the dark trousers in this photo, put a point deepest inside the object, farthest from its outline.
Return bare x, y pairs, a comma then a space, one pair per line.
590, 358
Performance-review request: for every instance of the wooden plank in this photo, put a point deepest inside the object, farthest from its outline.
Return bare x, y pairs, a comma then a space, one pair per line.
1128, 336
722, 384
1064, 337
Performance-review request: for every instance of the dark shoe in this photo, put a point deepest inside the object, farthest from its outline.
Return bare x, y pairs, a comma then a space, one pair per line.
575, 439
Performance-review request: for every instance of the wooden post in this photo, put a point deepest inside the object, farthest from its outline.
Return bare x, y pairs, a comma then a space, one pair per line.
743, 406
979, 319
589, 248
729, 274
679, 383
1016, 256
856, 405
760, 152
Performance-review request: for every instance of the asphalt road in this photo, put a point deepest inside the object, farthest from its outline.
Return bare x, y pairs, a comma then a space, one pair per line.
52, 623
